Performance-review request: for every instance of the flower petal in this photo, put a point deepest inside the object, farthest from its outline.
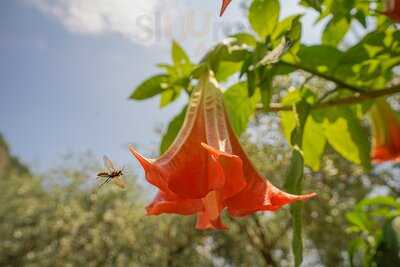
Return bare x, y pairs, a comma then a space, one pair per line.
186, 165
280, 198
167, 203
225, 4
385, 133
204, 222
393, 10
259, 194
153, 175
232, 170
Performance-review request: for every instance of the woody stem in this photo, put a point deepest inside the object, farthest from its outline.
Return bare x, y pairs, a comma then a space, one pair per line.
355, 99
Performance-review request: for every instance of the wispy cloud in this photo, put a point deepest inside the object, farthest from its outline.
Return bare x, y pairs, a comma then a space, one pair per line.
192, 22
134, 19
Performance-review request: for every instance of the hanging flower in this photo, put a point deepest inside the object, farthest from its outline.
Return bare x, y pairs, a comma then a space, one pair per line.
385, 133
225, 4
393, 10
206, 170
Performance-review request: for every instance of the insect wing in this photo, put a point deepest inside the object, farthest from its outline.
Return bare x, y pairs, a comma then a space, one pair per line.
108, 164
118, 181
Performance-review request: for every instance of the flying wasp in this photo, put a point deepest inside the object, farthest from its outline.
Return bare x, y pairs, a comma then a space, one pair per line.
112, 174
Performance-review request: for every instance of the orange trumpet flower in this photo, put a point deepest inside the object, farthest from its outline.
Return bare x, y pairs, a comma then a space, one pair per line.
393, 10
206, 170
385, 133
225, 4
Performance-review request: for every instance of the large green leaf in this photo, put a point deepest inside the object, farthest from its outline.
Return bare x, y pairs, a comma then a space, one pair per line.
172, 131
314, 143
226, 69
150, 87
341, 128
320, 58
314, 140
239, 106
263, 16
346, 135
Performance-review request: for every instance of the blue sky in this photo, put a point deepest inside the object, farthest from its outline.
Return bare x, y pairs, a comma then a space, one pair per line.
68, 67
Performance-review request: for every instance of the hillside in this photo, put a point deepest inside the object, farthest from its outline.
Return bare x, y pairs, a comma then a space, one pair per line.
9, 163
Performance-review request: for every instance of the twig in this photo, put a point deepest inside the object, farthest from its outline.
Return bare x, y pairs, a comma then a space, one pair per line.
325, 76
358, 98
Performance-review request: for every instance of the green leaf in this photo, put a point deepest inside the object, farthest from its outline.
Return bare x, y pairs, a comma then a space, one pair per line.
245, 38
340, 127
150, 87
314, 143
226, 70
168, 96
251, 83
247, 63
387, 252
263, 16
181, 60
172, 131
335, 31
239, 106
358, 219
321, 58
347, 136
314, 140
291, 29
285, 26
316, 4
379, 200
179, 55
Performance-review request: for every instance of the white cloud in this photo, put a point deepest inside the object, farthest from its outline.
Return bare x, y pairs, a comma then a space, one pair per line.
193, 23
134, 19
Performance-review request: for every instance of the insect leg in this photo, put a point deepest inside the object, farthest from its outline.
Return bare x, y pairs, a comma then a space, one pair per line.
105, 182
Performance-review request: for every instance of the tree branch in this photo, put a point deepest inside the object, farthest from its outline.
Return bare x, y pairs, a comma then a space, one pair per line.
266, 254
358, 98
260, 231
339, 82
281, 234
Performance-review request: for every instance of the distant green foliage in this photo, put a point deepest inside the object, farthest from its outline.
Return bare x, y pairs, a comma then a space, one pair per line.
67, 225
375, 223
